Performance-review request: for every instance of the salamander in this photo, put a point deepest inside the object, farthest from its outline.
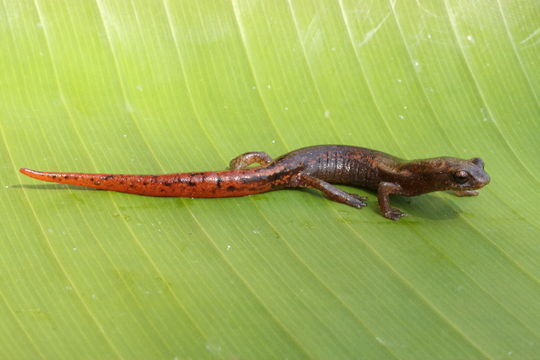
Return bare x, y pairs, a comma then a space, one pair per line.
315, 167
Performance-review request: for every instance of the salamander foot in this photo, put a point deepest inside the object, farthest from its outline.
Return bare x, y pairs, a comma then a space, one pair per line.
394, 214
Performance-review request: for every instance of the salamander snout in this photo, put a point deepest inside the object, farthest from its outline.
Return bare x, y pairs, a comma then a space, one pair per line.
480, 180
479, 176
470, 175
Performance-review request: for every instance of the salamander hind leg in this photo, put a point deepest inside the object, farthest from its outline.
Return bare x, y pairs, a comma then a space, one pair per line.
244, 160
332, 192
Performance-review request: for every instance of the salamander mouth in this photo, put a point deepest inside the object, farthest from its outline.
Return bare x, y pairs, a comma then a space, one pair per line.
483, 181
478, 183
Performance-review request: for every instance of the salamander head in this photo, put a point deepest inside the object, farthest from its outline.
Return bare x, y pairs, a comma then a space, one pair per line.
448, 173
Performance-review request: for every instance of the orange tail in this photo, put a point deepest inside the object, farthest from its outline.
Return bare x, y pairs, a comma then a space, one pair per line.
208, 184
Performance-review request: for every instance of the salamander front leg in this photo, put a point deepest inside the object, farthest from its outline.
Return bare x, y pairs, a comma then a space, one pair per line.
332, 192
244, 160
383, 195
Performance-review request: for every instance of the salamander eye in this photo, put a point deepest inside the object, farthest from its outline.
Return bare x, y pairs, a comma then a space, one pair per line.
461, 176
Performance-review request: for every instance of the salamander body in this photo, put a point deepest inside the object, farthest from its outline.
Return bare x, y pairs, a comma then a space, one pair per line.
316, 167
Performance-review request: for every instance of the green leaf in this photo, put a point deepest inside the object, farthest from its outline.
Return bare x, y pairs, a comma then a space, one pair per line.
159, 87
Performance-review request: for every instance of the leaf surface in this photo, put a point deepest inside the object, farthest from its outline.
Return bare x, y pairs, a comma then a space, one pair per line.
160, 87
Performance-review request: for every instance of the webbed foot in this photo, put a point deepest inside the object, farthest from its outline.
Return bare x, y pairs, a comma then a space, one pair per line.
356, 201
394, 214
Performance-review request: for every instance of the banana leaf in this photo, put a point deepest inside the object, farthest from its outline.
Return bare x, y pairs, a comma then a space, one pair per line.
153, 87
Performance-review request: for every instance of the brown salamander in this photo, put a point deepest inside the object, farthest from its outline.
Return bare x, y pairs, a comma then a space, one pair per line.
315, 167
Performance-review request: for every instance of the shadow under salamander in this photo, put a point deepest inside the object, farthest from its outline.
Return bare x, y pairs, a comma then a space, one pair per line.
424, 206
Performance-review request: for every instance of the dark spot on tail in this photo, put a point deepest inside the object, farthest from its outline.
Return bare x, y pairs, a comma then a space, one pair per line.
218, 182
107, 177
231, 188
